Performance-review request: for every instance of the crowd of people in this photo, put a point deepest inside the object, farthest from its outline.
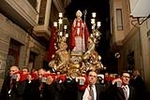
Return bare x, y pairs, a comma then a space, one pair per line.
20, 84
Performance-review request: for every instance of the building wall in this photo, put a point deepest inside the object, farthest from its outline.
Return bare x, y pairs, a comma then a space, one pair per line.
145, 46
135, 40
127, 26
8, 31
138, 42
118, 34
131, 44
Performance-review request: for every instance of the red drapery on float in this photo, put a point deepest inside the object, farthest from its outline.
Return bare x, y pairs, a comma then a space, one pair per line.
52, 43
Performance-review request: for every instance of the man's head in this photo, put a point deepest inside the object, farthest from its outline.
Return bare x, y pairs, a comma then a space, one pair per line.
125, 78
136, 73
92, 77
25, 70
13, 69
41, 72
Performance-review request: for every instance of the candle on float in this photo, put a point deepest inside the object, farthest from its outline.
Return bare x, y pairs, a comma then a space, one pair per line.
61, 33
98, 24
60, 15
65, 27
93, 14
92, 21
60, 21
55, 24
67, 35
91, 35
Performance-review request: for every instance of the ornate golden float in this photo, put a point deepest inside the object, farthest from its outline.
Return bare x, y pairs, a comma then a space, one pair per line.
75, 64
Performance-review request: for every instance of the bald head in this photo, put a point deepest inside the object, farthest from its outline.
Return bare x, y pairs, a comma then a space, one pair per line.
13, 69
92, 77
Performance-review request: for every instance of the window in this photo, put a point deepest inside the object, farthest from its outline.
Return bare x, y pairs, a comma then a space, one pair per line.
119, 19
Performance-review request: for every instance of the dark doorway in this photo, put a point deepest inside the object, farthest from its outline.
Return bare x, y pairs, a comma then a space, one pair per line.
13, 53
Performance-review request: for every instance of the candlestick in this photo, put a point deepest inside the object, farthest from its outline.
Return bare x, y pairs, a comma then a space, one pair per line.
65, 27
60, 21
98, 24
93, 14
55, 24
60, 15
92, 21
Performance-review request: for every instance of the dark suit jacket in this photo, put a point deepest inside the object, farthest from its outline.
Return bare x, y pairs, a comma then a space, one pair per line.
17, 90
100, 92
70, 90
140, 88
48, 92
114, 93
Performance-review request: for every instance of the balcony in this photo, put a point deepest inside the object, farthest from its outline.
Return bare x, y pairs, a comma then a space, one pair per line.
33, 18
48, 12
20, 12
42, 29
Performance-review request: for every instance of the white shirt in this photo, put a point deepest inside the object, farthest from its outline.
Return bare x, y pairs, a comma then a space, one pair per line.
126, 89
86, 95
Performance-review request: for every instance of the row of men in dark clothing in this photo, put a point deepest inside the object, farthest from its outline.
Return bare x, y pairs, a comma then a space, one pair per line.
43, 85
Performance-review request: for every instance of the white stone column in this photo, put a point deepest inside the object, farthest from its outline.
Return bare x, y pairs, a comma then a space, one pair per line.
47, 13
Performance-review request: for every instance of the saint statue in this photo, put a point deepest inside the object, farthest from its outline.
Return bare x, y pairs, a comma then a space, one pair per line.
79, 35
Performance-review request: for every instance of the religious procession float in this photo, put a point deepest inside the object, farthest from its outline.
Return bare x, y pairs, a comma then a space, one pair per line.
75, 52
